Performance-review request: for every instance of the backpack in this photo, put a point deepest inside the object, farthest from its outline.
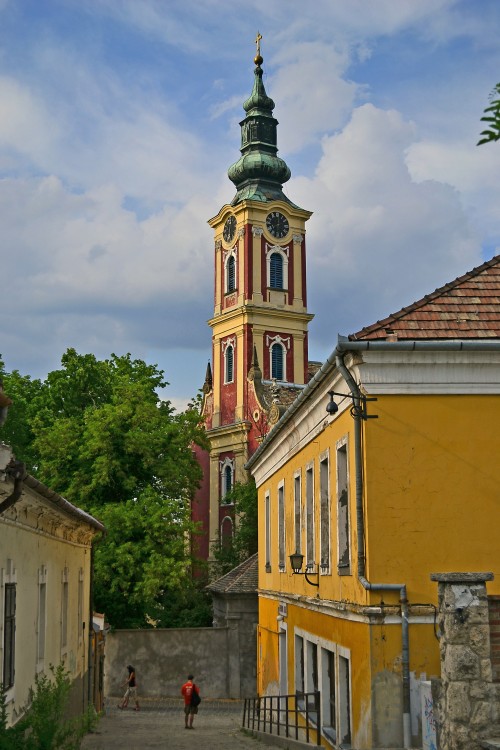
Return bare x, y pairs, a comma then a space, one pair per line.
195, 698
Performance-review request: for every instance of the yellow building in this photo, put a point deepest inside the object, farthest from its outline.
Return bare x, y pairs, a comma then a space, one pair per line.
45, 588
383, 471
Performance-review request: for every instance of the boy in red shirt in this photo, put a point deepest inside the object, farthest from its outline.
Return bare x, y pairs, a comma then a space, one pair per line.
189, 711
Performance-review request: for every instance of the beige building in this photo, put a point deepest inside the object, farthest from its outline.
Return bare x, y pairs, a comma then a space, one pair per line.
45, 586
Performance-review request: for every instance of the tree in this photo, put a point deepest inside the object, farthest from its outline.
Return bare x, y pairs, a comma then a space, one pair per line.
17, 430
245, 538
102, 438
492, 117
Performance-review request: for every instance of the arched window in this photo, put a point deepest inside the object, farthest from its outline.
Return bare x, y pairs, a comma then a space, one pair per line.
228, 479
226, 532
229, 369
231, 274
277, 362
276, 271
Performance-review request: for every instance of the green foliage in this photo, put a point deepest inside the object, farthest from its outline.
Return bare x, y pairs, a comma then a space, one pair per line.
245, 538
492, 117
99, 435
17, 430
45, 725
189, 607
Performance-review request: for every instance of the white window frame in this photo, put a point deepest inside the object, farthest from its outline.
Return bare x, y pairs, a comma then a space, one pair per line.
285, 345
41, 622
343, 707
229, 342
324, 513
298, 513
281, 527
310, 517
227, 463
342, 449
283, 251
267, 530
80, 624
8, 575
233, 253
64, 611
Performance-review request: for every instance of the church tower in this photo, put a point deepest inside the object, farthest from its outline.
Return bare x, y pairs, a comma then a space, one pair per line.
259, 325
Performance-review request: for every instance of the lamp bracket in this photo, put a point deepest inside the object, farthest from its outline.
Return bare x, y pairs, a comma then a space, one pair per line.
358, 408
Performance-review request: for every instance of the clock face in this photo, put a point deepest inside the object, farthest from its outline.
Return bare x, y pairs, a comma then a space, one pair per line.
277, 224
229, 228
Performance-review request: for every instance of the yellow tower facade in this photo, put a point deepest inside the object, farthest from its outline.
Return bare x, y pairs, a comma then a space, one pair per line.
260, 320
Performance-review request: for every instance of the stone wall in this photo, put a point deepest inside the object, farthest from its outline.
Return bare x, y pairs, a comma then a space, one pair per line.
466, 696
164, 658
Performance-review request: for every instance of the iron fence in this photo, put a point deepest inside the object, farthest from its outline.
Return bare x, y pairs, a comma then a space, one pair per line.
297, 716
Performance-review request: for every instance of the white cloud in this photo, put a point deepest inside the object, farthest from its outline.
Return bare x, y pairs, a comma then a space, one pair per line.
378, 239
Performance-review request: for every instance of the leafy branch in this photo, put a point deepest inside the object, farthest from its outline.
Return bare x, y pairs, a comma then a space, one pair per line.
492, 117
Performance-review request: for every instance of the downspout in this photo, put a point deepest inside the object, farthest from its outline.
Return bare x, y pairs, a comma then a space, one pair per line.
16, 470
360, 529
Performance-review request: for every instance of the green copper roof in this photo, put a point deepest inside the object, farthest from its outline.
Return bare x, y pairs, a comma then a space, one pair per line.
259, 173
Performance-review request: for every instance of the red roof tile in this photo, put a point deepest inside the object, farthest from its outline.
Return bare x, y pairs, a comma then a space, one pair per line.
468, 307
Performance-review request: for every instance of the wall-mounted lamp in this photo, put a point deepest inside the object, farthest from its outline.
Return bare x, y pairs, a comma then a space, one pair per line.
358, 408
296, 561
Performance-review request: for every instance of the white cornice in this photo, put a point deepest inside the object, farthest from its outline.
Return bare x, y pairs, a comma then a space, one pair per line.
381, 372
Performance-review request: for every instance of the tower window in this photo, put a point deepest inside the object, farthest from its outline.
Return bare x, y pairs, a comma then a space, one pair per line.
229, 364
227, 478
230, 274
277, 267
277, 362
276, 271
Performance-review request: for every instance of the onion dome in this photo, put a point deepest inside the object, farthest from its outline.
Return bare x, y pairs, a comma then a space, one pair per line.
259, 173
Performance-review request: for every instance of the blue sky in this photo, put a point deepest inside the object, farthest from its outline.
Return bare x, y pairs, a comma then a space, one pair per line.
119, 119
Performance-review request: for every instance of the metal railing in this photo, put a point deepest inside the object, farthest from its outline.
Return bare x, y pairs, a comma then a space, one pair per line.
297, 716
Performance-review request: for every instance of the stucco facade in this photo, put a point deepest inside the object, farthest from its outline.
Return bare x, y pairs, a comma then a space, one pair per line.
45, 581
376, 495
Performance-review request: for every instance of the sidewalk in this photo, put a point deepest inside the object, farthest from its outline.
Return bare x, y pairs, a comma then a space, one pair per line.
159, 725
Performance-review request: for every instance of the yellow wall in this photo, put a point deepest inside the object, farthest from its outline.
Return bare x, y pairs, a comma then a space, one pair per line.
430, 505
432, 489
28, 551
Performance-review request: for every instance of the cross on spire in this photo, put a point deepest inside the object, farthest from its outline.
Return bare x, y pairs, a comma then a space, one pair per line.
257, 42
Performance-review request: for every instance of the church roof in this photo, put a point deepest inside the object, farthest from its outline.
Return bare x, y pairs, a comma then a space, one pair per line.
259, 173
244, 579
468, 307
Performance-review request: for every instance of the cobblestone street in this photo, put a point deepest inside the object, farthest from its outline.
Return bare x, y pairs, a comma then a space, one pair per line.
160, 725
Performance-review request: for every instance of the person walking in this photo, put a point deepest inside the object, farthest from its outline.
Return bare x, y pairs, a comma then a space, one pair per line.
131, 691
191, 694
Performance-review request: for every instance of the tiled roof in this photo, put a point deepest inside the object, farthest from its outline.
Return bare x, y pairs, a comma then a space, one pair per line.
243, 579
467, 308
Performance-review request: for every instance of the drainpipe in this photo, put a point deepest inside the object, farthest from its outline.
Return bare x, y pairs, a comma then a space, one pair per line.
360, 529
16, 470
